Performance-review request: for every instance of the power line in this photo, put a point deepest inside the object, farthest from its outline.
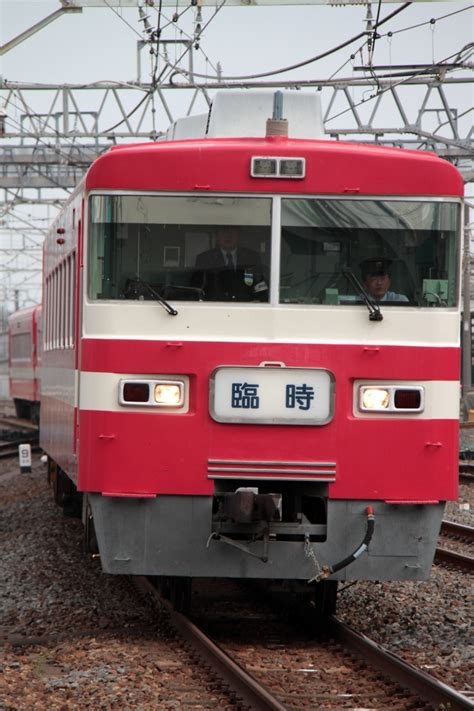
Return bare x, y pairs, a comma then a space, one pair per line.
431, 21
156, 82
305, 62
396, 84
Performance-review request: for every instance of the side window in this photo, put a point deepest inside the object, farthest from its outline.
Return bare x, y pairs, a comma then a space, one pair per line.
60, 305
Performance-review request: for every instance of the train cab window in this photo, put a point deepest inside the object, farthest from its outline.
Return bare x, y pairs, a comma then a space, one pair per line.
404, 253
186, 248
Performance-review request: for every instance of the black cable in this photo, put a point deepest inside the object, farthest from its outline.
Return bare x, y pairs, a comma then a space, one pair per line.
174, 66
412, 75
374, 33
299, 64
146, 96
432, 21
157, 80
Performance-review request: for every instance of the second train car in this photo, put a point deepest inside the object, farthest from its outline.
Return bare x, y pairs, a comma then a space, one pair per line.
25, 341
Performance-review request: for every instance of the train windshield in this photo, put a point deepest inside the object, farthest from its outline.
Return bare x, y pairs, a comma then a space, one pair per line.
181, 248
402, 252
214, 248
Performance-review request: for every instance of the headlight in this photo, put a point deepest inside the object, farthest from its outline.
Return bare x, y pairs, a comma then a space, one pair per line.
374, 399
170, 394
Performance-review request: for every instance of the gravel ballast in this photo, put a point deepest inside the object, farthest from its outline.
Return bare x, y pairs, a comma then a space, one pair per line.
73, 637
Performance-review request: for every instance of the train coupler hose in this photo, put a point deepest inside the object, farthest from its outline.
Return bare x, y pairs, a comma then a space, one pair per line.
327, 570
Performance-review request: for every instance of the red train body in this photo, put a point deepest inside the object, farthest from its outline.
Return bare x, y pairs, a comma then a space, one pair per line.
237, 436
24, 362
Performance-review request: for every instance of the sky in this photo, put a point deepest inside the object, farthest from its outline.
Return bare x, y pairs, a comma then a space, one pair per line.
101, 44
244, 39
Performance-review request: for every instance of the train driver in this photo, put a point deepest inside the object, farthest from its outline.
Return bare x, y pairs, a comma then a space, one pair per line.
230, 272
376, 279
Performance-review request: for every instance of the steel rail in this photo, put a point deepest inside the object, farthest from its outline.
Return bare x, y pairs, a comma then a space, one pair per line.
450, 528
459, 560
16, 423
409, 676
466, 469
245, 686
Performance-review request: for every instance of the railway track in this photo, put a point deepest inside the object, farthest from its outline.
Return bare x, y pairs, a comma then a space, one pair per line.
8, 450
455, 559
14, 432
348, 671
466, 471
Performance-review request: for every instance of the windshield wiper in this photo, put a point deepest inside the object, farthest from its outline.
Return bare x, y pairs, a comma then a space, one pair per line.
374, 309
186, 289
157, 296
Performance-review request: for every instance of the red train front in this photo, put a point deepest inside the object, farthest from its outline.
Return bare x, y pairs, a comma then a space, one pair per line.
221, 383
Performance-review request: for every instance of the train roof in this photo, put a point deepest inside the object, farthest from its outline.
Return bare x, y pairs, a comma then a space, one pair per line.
24, 314
223, 164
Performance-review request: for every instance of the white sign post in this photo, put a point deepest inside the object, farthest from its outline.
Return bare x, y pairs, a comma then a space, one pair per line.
24, 456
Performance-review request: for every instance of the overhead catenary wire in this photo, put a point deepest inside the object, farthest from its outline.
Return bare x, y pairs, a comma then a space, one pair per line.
303, 63
374, 33
431, 21
412, 75
227, 80
148, 93
173, 21
169, 67
198, 37
157, 82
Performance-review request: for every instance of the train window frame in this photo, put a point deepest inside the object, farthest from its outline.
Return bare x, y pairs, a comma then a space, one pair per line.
273, 264
449, 287
254, 280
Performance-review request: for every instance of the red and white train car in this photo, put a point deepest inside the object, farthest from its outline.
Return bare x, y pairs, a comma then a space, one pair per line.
24, 361
250, 420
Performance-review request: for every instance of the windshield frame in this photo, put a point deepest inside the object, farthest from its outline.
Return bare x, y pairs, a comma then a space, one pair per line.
275, 247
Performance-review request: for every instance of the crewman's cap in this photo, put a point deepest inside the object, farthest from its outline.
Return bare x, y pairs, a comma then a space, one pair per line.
376, 266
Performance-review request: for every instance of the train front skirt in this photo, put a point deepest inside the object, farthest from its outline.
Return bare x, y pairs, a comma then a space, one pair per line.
175, 536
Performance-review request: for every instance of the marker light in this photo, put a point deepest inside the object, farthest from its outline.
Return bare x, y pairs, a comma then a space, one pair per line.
374, 398
136, 392
269, 167
170, 394
264, 166
292, 167
407, 399
153, 393
391, 398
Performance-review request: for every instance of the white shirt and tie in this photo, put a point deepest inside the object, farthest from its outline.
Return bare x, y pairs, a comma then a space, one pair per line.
230, 258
